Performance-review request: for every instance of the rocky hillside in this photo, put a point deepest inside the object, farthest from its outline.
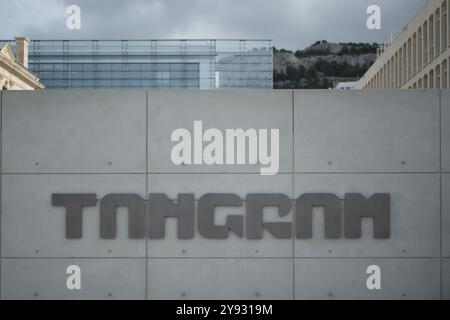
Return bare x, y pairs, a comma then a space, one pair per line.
322, 65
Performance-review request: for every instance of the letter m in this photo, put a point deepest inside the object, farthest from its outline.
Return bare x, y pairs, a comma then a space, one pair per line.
378, 206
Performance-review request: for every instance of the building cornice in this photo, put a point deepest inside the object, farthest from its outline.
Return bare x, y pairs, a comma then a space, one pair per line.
21, 72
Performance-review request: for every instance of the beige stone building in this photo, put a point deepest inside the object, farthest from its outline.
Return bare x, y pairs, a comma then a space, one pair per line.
14, 73
419, 57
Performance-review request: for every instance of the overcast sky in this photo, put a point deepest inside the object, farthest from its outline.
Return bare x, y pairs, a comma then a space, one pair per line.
291, 24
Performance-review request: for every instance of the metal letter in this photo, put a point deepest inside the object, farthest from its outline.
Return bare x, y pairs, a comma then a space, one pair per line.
303, 214
206, 207
255, 222
74, 204
162, 207
136, 215
377, 206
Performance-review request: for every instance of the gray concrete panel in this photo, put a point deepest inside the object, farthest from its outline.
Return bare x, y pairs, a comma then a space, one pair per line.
223, 110
346, 279
415, 216
200, 184
30, 279
32, 227
366, 131
251, 279
445, 123
74, 132
445, 215
233, 246
446, 279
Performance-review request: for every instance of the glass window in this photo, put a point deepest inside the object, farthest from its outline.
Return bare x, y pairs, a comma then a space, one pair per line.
89, 84
134, 67
88, 67
118, 83
104, 67
76, 67
105, 75
118, 67
162, 67
180, 61
147, 67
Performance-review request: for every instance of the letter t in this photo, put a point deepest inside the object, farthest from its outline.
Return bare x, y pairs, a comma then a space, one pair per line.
74, 204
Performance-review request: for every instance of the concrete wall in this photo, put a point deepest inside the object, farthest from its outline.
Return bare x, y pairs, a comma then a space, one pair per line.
393, 142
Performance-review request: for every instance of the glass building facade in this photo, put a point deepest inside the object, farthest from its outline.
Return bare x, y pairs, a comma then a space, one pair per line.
147, 64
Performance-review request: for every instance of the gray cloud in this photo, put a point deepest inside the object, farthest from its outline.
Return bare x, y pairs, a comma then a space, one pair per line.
290, 23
